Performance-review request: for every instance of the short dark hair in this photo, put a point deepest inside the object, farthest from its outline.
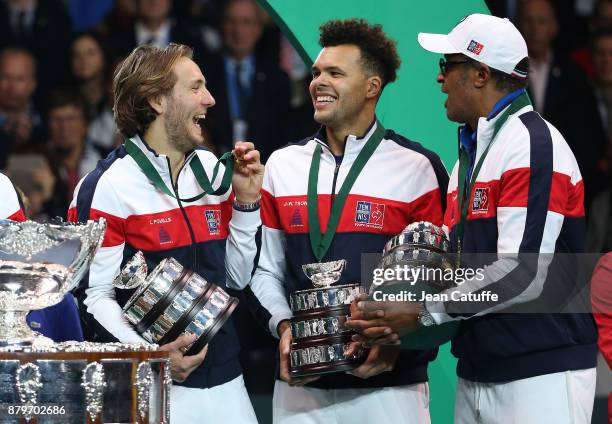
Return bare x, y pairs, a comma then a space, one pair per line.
378, 51
508, 83
62, 97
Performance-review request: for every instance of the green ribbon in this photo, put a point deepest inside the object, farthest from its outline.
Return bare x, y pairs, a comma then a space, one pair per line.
196, 166
320, 242
464, 163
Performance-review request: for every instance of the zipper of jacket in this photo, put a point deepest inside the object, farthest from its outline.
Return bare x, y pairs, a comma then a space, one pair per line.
182, 209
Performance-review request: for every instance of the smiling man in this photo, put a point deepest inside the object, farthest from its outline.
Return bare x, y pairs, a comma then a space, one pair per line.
155, 200
518, 362
389, 181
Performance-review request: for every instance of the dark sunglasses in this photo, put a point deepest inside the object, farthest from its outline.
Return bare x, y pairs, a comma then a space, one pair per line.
445, 65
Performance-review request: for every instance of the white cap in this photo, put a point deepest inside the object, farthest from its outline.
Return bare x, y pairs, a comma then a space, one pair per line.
487, 39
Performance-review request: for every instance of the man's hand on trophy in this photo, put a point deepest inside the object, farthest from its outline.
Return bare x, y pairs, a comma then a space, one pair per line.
380, 359
183, 365
284, 348
248, 173
382, 323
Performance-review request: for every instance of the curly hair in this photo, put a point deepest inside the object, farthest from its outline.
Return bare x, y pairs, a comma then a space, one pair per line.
378, 52
144, 75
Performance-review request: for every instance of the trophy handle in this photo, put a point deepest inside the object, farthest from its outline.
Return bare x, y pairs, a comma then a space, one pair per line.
133, 274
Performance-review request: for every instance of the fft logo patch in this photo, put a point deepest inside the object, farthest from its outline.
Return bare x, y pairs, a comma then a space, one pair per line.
369, 214
480, 204
475, 47
213, 220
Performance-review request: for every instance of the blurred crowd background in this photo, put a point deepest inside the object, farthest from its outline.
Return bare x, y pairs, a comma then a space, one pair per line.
57, 59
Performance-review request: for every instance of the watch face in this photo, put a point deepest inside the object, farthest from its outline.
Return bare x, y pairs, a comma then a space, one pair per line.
426, 319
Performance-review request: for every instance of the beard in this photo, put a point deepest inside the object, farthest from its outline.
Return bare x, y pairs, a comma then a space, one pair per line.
176, 126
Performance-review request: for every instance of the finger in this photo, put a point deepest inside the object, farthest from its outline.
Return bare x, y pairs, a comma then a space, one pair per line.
252, 156
360, 325
244, 146
370, 305
182, 341
361, 315
353, 348
390, 340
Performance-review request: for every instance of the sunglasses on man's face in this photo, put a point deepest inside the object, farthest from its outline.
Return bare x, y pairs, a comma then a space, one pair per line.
445, 65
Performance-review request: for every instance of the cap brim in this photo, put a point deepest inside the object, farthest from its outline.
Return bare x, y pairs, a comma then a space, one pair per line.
436, 43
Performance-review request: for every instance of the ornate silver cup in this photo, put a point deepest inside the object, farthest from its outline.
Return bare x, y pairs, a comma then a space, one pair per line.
172, 301
420, 252
319, 336
39, 264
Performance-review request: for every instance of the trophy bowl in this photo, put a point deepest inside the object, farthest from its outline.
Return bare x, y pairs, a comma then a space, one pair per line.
420, 246
172, 301
319, 338
39, 264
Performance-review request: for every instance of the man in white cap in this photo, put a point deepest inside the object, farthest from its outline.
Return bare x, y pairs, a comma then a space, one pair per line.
516, 192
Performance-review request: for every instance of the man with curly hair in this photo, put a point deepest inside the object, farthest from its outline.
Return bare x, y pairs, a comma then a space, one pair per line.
397, 182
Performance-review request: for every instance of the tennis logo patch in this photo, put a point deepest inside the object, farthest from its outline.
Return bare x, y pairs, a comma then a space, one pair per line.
481, 200
369, 214
213, 220
475, 47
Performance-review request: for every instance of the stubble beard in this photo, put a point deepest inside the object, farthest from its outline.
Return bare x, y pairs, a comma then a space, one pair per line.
178, 134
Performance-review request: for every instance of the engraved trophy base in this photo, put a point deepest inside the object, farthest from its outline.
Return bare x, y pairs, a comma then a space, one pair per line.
82, 382
324, 357
15, 331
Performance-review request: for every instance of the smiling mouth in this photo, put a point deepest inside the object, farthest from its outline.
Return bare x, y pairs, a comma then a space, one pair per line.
322, 101
198, 120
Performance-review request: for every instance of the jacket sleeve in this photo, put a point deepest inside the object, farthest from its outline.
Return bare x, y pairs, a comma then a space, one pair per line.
267, 282
95, 199
534, 202
241, 249
10, 207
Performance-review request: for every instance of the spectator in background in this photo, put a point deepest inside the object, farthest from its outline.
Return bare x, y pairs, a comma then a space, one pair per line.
44, 28
252, 92
20, 123
88, 63
601, 297
70, 156
153, 25
560, 92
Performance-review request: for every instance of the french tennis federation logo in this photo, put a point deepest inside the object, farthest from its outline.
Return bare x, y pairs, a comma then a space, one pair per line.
481, 200
213, 220
475, 47
369, 214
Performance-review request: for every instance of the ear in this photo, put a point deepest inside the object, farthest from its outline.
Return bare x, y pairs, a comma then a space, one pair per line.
158, 104
374, 87
481, 75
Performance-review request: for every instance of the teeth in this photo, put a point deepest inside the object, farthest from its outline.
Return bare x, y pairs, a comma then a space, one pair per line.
198, 118
325, 99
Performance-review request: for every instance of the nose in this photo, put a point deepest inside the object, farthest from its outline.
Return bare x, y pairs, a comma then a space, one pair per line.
440, 78
207, 99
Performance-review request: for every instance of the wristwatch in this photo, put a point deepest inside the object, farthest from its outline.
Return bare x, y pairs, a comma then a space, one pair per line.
424, 318
247, 207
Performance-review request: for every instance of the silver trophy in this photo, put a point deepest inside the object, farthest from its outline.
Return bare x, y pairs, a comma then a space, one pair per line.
171, 301
319, 336
421, 247
82, 382
39, 264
